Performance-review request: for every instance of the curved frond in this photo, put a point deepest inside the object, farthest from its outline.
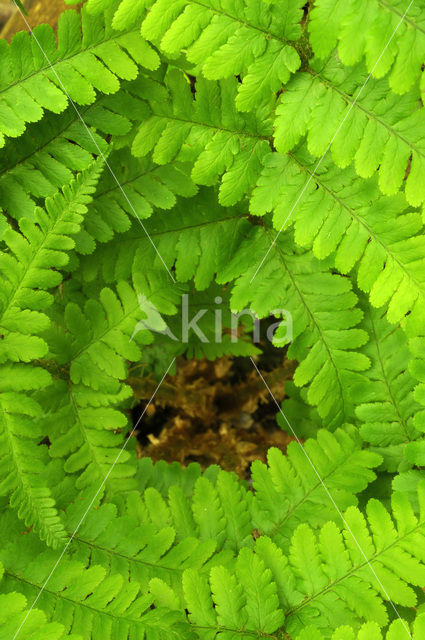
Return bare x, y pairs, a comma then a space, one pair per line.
31, 267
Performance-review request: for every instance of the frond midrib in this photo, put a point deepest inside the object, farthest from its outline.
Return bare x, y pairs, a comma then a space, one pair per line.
58, 134
377, 343
364, 224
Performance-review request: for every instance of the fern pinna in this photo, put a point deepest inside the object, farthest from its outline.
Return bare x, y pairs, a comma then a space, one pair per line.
267, 154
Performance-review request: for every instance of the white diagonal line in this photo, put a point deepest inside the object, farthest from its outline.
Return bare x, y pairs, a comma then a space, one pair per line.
331, 498
330, 144
102, 155
65, 549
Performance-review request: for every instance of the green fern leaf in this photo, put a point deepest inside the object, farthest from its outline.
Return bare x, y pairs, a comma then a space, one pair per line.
289, 491
28, 269
89, 57
373, 128
242, 38
388, 408
14, 612
237, 150
352, 221
337, 575
295, 283
374, 30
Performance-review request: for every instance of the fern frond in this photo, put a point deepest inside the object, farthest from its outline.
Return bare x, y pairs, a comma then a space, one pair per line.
126, 13
30, 268
325, 580
340, 570
288, 491
217, 141
213, 520
48, 157
213, 232
94, 345
12, 613
346, 213
89, 56
141, 536
88, 602
365, 28
415, 451
52, 151
352, 222
229, 248
387, 408
325, 336
146, 185
379, 130
163, 542
398, 630
250, 39
86, 430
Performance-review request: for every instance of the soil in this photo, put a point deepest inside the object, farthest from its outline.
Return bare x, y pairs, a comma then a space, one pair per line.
39, 12
213, 412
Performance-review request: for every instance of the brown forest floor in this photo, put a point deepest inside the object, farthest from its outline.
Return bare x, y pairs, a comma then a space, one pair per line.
39, 11
213, 412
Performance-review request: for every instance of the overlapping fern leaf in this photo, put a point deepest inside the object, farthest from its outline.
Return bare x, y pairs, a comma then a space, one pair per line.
309, 482
30, 267
399, 629
14, 609
51, 152
322, 305
388, 33
41, 74
138, 563
388, 410
415, 450
369, 126
325, 318
250, 39
350, 219
93, 346
218, 141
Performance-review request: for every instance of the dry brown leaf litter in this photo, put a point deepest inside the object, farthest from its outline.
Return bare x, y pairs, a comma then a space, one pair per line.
212, 413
